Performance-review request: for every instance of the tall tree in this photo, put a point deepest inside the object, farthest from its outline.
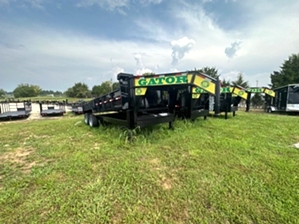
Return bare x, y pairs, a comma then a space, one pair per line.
2, 93
225, 83
79, 90
115, 85
240, 81
211, 71
148, 73
26, 90
102, 89
289, 72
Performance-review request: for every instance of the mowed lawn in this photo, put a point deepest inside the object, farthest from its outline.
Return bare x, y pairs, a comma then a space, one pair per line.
240, 170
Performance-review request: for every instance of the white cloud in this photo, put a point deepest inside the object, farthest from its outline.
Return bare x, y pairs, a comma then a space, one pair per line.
107, 4
232, 50
147, 2
138, 60
55, 59
118, 5
142, 71
180, 48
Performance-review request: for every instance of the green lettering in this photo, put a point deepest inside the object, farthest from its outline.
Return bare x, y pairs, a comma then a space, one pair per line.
160, 80
181, 79
142, 82
170, 79
152, 82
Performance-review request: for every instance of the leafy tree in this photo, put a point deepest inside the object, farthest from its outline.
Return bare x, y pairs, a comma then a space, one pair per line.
257, 100
148, 73
2, 93
240, 81
102, 89
115, 85
26, 90
79, 90
213, 72
289, 72
225, 83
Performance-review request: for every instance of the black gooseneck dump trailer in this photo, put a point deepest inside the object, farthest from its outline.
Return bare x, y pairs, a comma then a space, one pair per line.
230, 98
269, 95
14, 109
149, 100
226, 100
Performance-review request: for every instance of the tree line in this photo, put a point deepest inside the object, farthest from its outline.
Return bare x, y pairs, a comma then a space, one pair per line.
288, 73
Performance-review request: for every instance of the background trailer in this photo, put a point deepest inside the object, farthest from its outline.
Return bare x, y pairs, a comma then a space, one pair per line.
52, 108
11, 109
286, 99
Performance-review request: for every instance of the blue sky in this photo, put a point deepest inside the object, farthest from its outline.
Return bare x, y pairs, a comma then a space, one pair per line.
55, 44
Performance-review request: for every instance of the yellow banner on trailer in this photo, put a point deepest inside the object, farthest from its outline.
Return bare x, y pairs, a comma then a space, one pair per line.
140, 91
161, 80
240, 92
204, 83
270, 92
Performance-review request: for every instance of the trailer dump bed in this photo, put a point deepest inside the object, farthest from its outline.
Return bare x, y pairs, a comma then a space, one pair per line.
149, 100
14, 109
52, 108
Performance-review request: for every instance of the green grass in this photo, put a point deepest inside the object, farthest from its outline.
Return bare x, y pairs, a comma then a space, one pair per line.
240, 170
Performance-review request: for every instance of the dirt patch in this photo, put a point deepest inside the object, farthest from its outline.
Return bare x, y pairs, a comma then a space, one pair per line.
163, 181
19, 157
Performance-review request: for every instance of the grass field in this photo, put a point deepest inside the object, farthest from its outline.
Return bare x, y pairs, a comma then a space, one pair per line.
240, 170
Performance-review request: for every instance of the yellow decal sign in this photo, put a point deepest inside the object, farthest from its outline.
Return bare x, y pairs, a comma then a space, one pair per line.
241, 93
270, 92
140, 91
198, 90
205, 83
161, 80
195, 95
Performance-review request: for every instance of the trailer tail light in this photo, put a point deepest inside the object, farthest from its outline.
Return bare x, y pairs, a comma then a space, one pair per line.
177, 106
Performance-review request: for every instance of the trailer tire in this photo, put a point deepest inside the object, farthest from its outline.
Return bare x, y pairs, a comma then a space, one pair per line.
93, 121
269, 110
86, 118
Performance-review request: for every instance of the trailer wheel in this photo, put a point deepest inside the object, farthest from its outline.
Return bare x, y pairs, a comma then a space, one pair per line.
86, 118
269, 110
93, 121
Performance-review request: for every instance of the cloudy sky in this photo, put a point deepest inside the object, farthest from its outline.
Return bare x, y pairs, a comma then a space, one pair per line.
55, 44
